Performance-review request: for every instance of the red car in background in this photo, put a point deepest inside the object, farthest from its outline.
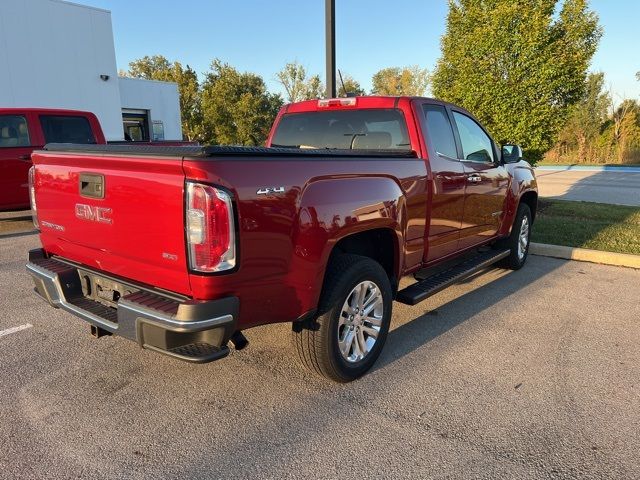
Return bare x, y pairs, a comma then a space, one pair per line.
23, 130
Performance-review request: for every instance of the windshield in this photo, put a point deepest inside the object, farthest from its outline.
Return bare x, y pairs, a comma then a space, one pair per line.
366, 129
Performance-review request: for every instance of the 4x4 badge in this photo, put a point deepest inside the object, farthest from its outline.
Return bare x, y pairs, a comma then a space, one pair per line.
268, 190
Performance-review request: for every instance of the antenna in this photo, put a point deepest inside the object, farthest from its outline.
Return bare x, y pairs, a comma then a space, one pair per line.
346, 94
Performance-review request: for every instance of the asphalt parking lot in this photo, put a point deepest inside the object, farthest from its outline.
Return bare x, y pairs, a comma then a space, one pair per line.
617, 187
529, 374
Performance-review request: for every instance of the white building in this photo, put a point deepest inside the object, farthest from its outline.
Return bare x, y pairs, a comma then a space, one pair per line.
56, 54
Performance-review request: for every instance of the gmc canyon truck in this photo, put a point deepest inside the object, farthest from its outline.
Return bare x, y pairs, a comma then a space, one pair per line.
180, 249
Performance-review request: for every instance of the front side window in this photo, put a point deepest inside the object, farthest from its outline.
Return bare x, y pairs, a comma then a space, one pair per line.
476, 145
366, 129
66, 129
439, 130
14, 131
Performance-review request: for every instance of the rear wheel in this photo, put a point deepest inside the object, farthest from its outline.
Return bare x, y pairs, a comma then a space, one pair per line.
345, 339
519, 240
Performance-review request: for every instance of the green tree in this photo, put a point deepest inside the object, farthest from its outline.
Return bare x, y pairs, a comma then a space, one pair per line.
315, 88
625, 128
517, 65
237, 108
587, 117
297, 85
411, 81
157, 67
351, 85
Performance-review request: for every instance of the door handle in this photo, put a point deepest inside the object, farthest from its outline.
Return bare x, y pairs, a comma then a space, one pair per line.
25, 158
474, 178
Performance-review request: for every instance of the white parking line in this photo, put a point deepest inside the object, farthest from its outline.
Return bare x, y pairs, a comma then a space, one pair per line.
11, 330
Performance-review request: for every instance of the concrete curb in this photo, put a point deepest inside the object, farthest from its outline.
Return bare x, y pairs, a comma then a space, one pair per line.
26, 214
590, 168
585, 255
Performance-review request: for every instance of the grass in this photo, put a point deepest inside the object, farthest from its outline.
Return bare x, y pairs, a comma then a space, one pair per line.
598, 226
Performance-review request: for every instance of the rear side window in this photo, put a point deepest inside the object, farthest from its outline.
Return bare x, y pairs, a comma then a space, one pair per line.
476, 145
439, 130
66, 129
14, 131
366, 129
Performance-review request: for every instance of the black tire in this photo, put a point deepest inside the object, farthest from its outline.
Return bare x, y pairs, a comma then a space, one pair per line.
515, 260
316, 340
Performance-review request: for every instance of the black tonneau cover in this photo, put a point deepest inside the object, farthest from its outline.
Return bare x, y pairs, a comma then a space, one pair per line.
220, 151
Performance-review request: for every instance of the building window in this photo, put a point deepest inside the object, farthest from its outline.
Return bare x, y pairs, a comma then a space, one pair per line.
136, 125
158, 130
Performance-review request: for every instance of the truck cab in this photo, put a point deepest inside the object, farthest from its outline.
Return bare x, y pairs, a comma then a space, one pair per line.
471, 193
23, 130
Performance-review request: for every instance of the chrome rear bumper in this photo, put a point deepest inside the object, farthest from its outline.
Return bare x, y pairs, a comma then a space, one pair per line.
190, 330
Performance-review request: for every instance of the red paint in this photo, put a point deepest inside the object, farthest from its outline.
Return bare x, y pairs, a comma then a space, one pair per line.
15, 161
284, 239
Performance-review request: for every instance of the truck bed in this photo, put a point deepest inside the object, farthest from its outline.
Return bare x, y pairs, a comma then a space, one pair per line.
223, 151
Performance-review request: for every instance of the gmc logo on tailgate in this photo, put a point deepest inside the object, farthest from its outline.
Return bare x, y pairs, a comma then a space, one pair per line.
94, 214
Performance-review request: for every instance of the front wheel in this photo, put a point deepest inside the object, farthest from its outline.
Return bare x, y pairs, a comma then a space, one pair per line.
519, 240
345, 339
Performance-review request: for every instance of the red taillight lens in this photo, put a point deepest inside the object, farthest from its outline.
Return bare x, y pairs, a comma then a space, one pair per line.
210, 229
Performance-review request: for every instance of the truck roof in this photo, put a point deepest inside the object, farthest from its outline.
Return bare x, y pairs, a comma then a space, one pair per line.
361, 102
51, 111
365, 101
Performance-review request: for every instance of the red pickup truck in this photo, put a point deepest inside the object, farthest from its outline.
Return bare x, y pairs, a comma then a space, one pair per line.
182, 248
23, 130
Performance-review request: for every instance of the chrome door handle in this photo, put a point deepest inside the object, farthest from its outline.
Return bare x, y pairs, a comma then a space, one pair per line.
474, 178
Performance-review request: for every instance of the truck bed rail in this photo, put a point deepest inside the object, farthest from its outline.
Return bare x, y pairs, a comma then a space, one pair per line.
198, 151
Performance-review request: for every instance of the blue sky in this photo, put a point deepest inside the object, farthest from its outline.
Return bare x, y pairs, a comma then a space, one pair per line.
261, 36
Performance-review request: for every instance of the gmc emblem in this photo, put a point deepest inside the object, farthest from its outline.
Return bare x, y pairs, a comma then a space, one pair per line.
94, 214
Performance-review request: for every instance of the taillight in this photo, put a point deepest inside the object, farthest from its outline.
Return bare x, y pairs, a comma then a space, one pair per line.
210, 229
32, 196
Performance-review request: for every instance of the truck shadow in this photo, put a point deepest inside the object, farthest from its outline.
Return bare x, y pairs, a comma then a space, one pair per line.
408, 336
328, 404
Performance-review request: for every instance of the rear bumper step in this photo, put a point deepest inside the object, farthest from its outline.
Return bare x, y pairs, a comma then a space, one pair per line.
188, 330
423, 289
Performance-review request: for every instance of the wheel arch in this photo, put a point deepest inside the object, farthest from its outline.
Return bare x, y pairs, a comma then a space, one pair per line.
379, 244
530, 198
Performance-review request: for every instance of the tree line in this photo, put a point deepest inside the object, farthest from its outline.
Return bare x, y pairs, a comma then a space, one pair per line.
599, 129
235, 108
520, 66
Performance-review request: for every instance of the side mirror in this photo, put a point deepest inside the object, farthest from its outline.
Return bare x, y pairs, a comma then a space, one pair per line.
511, 153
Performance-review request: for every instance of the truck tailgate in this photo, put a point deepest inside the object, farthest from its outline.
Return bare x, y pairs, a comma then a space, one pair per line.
122, 215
